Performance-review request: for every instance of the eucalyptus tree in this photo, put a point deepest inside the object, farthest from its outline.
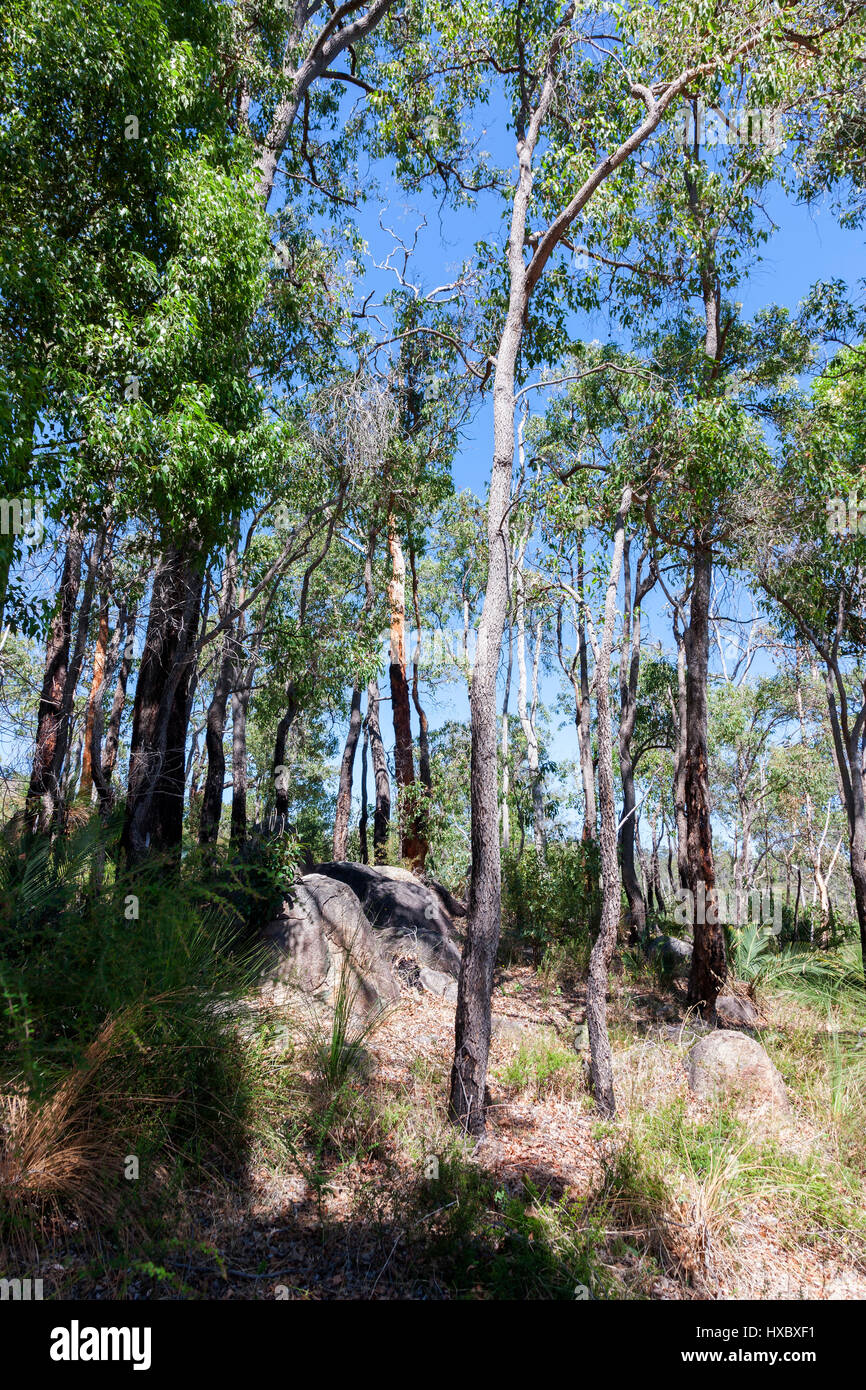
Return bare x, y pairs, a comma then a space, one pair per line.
809, 552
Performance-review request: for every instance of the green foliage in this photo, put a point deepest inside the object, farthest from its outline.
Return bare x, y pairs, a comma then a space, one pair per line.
552, 902
130, 988
490, 1243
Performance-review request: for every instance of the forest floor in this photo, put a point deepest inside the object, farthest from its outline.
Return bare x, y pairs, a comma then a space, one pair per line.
372, 1195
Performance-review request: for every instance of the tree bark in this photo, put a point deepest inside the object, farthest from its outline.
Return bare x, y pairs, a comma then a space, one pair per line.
347, 765
240, 707
126, 628
43, 792
506, 775
404, 766
362, 823
709, 963
603, 946
154, 804
526, 722
629, 672
97, 685
424, 776
382, 810
215, 728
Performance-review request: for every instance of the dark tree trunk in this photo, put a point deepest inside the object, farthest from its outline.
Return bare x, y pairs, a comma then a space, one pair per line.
404, 766
382, 810
154, 804
709, 964
281, 770
44, 790
848, 741
168, 800
362, 823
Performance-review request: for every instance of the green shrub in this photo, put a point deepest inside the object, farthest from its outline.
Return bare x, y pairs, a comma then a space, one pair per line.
552, 903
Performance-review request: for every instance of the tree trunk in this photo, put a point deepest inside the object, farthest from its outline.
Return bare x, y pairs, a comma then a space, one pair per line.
629, 672
97, 685
583, 716
240, 707
423, 814
603, 946
467, 1100
681, 722
506, 775
362, 823
527, 723
215, 728
709, 964
43, 792
280, 767
126, 627
154, 804
382, 811
347, 765
404, 768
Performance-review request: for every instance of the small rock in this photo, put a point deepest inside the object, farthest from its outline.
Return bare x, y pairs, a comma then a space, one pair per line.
437, 982
736, 1011
503, 1027
581, 1039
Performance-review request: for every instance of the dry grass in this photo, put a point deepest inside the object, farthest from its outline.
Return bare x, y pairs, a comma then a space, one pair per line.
56, 1155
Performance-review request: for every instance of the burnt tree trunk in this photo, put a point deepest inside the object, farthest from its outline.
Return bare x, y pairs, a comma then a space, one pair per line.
404, 765
154, 804
382, 782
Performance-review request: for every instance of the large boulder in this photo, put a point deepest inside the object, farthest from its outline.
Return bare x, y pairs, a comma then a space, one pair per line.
733, 1066
317, 928
408, 915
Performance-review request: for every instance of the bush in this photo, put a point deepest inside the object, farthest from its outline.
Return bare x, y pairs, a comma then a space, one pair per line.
552, 903
118, 1034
